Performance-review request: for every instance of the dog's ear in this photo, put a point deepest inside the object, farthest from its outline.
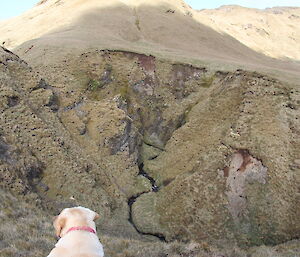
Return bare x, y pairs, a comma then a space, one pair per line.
97, 216
59, 223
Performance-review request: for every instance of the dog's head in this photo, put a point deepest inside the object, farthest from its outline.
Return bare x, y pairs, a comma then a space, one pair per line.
73, 217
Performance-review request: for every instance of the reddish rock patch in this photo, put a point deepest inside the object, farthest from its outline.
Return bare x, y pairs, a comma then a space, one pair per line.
147, 62
226, 172
246, 160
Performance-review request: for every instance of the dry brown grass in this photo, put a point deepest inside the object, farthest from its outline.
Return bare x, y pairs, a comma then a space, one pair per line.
27, 231
24, 231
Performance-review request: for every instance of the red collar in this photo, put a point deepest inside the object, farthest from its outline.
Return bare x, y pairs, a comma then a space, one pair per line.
88, 229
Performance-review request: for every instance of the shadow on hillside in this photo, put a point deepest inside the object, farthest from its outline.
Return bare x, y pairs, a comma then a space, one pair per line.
165, 32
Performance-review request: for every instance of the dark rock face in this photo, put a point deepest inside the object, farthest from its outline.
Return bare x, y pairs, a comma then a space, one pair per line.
4, 151
159, 149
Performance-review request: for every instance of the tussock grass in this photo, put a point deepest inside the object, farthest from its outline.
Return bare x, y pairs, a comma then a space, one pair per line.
26, 230
117, 247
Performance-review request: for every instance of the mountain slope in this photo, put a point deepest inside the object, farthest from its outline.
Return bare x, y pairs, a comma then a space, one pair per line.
273, 31
162, 28
51, 15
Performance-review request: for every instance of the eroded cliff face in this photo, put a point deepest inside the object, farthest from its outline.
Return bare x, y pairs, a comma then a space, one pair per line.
230, 171
160, 150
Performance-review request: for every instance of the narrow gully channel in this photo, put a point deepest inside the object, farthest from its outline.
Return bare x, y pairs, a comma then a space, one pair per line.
132, 200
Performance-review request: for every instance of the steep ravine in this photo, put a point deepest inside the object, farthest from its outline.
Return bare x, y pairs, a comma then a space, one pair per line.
181, 125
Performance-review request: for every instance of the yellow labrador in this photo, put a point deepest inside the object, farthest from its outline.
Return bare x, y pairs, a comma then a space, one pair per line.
77, 231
